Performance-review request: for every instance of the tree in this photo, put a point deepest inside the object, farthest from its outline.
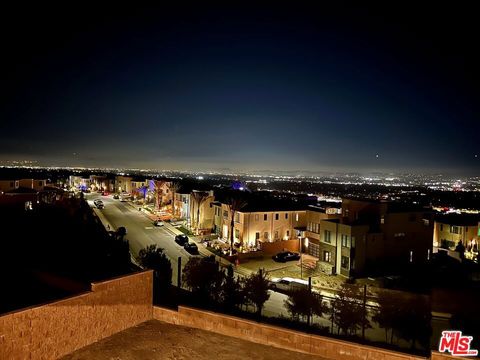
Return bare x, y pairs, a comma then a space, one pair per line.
235, 204
199, 198
387, 314
158, 191
153, 257
174, 186
232, 290
204, 278
304, 303
347, 311
256, 290
414, 320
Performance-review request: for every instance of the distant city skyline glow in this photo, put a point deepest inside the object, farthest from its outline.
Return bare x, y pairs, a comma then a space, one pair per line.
309, 88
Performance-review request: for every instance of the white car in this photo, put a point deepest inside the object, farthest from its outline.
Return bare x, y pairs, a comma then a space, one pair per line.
158, 223
99, 204
288, 284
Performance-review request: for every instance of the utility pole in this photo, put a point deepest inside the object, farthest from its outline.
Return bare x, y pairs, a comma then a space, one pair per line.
364, 310
310, 291
179, 272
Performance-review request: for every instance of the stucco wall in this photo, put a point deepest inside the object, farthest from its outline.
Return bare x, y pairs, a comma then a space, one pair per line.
58, 328
275, 336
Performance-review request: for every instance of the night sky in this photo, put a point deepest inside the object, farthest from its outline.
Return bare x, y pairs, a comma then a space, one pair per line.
390, 86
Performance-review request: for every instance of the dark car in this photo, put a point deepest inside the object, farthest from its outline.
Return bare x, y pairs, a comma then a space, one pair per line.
122, 231
116, 197
286, 256
181, 239
191, 248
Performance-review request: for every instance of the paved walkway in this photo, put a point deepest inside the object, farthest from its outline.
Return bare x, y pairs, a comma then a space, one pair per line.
154, 340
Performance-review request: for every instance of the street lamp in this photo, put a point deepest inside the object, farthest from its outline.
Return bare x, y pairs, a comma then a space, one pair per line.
301, 258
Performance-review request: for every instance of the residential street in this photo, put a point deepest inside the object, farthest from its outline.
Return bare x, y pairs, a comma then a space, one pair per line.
141, 233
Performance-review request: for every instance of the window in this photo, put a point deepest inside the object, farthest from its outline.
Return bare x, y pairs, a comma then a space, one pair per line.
265, 235
426, 222
287, 233
296, 216
314, 250
286, 216
276, 216
401, 234
225, 214
455, 230
441, 227
257, 235
276, 235
326, 256
352, 242
237, 217
382, 219
264, 217
237, 234
256, 217
326, 236
344, 240
345, 262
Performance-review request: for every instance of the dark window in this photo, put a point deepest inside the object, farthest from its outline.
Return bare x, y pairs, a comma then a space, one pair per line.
326, 237
345, 262
276, 216
265, 217
257, 235
286, 216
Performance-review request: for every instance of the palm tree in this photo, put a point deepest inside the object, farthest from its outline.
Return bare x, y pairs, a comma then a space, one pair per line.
174, 186
157, 189
235, 204
199, 198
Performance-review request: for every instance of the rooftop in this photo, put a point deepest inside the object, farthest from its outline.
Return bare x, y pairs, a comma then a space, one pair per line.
458, 219
158, 340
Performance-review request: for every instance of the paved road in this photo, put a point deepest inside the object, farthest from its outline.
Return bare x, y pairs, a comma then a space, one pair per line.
141, 233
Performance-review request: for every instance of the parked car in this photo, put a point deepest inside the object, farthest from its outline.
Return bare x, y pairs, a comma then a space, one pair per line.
116, 196
99, 204
181, 239
191, 248
122, 231
287, 284
285, 256
158, 223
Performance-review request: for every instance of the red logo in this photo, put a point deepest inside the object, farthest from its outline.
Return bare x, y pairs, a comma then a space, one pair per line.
456, 344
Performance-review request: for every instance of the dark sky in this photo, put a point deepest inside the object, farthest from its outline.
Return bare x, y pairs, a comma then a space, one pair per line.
280, 86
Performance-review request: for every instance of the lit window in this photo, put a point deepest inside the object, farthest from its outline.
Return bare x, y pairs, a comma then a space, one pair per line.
344, 240
326, 256
256, 217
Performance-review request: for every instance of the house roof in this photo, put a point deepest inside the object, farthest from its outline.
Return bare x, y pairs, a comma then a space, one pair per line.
458, 219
